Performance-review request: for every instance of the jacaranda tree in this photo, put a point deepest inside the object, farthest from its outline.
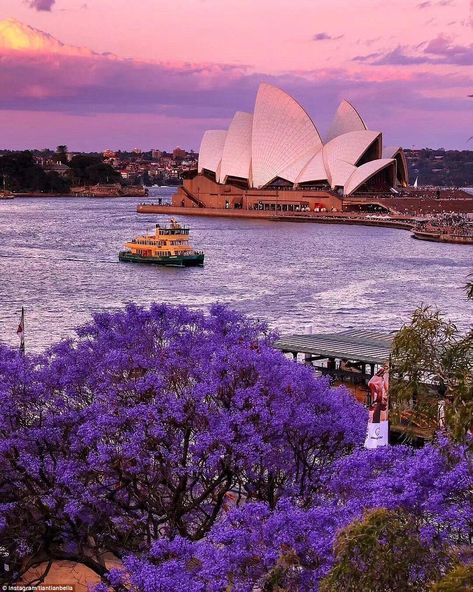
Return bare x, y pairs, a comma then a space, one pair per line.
370, 499
201, 459
148, 426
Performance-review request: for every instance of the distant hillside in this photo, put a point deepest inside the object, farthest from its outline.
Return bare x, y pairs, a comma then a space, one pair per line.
441, 168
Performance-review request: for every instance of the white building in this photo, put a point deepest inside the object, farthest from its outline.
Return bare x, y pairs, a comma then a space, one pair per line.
278, 145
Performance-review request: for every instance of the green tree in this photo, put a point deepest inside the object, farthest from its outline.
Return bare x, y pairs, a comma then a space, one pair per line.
460, 579
57, 184
147, 179
21, 172
90, 170
61, 153
383, 552
432, 373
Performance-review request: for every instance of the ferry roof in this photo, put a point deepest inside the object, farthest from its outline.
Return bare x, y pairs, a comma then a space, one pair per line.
371, 347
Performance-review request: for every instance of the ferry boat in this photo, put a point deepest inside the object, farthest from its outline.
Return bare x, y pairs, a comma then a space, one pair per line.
169, 245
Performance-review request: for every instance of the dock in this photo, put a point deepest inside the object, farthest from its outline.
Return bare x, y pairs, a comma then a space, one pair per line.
389, 221
351, 358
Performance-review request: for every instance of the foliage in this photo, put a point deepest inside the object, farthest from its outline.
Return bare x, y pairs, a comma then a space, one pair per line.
90, 170
289, 548
253, 547
187, 447
459, 579
140, 428
434, 483
432, 364
441, 168
61, 154
384, 551
21, 173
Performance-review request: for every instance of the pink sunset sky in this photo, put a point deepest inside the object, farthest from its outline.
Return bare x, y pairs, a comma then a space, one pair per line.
97, 74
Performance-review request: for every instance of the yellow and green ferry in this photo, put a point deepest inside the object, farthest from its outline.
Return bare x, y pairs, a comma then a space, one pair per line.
169, 245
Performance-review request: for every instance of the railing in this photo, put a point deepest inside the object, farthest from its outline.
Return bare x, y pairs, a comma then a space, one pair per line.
192, 197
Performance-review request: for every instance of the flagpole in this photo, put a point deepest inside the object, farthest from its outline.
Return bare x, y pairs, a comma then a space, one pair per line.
21, 330
22, 344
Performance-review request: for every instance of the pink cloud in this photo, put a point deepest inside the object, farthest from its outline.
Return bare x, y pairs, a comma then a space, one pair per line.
40, 75
18, 37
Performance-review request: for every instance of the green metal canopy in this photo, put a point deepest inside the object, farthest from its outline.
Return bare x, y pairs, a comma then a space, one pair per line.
371, 347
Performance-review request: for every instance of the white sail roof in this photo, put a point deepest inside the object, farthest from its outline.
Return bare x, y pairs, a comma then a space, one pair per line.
314, 170
211, 148
390, 151
282, 133
291, 172
364, 172
346, 119
402, 167
280, 141
340, 172
236, 155
351, 146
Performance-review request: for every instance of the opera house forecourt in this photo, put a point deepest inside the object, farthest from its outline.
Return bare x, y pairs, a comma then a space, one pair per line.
275, 158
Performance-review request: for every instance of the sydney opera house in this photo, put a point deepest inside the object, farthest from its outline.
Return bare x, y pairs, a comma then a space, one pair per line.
275, 158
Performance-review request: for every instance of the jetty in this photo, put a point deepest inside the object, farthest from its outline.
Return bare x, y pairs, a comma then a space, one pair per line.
351, 358
402, 221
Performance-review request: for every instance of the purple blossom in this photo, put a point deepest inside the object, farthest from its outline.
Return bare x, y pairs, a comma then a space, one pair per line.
139, 429
191, 450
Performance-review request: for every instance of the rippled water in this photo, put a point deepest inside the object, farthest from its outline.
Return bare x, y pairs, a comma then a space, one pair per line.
59, 260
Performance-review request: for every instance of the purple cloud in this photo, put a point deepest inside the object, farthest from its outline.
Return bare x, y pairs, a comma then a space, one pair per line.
431, 3
43, 5
399, 57
199, 96
461, 55
101, 84
436, 51
323, 36
369, 57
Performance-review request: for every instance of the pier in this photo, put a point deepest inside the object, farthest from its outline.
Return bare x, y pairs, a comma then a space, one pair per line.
404, 222
351, 358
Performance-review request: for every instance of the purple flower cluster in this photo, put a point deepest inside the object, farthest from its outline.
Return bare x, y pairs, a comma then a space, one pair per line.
184, 445
150, 425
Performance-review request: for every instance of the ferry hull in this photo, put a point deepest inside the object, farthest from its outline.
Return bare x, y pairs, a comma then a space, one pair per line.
194, 260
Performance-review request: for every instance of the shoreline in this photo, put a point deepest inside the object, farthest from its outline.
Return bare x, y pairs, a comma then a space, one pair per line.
34, 195
399, 222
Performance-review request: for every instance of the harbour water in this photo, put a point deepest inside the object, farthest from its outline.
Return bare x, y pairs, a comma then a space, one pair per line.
59, 260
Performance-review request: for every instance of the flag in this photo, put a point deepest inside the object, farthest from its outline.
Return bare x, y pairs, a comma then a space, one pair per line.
21, 330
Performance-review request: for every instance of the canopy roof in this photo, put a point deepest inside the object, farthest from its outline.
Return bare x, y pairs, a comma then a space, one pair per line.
370, 347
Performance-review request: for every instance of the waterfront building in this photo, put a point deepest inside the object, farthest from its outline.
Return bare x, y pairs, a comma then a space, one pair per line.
57, 167
276, 158
179, 153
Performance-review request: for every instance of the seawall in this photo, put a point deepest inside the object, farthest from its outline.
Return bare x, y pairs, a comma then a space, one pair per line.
403, 222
